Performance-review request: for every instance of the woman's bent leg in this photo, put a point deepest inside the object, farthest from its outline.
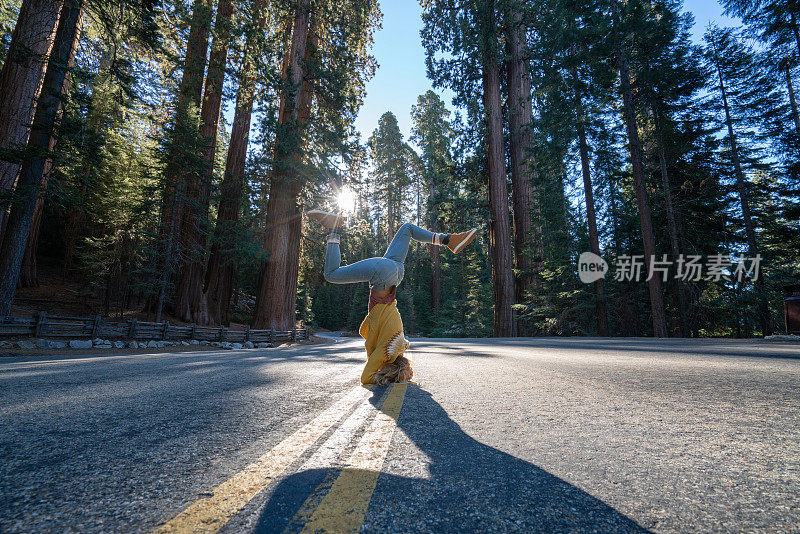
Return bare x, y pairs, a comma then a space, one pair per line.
360, 271
333, 256
398, 248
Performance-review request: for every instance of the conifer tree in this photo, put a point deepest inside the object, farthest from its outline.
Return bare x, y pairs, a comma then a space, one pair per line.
391, 176
327, 64
190, 299
183, 152
40, 143
431, 131
20, 82
469, 35
219, 275
635, 149
670, 77
741, 93
777, 22
527, 230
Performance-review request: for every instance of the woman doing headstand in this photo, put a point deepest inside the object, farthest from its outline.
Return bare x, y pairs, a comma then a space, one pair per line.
382, 328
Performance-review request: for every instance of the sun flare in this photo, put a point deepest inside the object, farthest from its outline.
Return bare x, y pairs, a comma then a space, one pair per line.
347, 200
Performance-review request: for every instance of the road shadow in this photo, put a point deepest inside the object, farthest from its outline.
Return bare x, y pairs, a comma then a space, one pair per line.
465, 486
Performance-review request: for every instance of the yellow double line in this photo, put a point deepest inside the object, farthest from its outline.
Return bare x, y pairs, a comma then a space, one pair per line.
344, 506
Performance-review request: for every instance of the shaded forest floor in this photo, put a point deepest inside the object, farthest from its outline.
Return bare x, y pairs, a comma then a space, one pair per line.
68, 296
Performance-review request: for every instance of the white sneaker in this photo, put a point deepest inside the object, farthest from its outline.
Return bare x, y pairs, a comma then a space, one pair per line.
329, 220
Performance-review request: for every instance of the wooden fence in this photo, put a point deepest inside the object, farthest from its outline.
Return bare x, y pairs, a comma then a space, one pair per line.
56, 326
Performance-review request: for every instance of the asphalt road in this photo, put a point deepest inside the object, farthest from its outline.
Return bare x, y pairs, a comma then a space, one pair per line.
579, 435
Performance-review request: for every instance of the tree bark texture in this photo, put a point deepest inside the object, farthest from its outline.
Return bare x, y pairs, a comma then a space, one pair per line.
741, 186
643, 203
591, 217
221, 263
527, 213
29, 272
499, 226
42, 137
191, 304
179, 172
277, 284
20, 83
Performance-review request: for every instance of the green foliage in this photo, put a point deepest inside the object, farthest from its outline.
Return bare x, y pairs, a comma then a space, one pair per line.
120, 133
9, 10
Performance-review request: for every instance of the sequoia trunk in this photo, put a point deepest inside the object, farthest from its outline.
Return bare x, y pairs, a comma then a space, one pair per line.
499, 227
20, 82
42, 139
220, 270
190, 302
527, 236
277, 284
181, 173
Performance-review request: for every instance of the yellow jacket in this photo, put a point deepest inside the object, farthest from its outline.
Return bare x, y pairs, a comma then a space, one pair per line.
382, 330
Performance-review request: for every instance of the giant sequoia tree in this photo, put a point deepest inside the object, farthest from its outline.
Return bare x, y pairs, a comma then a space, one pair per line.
278, 277
472, 57
42, 139
219, 274
184, 158
20, 83
326, 61
527, 230
575, 126
190, 298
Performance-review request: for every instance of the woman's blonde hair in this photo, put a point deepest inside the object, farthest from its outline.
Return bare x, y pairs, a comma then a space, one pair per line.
398, 371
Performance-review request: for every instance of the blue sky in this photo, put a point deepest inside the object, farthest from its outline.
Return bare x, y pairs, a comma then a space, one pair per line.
400, 77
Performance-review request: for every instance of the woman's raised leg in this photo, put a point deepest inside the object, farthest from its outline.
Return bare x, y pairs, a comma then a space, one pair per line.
335, 273
398, 248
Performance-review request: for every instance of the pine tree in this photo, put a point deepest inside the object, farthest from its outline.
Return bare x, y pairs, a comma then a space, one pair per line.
470, 37
275, 304
741, 93
635, 149
183, 156
774, 21
391, 175
327, 62
220, 269
431, 131
670, 76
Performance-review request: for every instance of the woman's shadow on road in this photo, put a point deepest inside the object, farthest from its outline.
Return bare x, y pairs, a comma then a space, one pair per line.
468, 486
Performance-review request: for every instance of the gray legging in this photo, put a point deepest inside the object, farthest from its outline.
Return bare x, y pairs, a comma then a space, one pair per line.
381, 273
